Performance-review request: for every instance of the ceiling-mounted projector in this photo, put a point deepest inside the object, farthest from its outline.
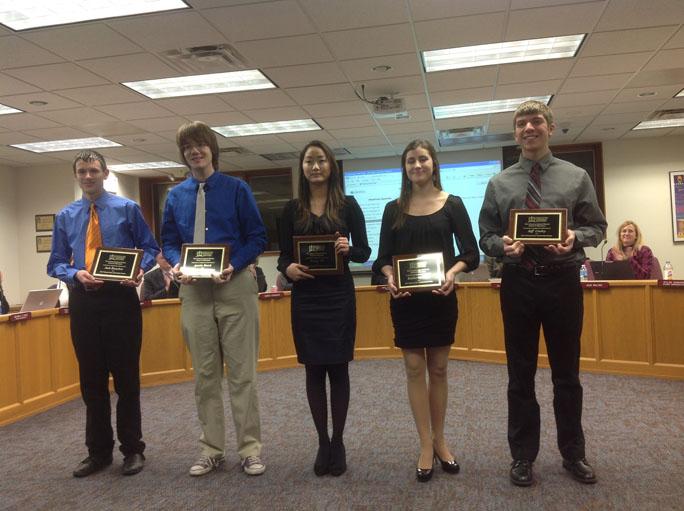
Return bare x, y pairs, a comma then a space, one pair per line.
389, 108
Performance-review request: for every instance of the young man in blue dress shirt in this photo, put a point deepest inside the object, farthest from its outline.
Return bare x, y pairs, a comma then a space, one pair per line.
219, 316
106, 323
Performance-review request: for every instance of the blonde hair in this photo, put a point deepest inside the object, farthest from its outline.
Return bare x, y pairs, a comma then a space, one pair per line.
619, 247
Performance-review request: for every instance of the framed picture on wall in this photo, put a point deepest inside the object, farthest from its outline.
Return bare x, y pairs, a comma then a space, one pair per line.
45, 223
43, 243
677, 203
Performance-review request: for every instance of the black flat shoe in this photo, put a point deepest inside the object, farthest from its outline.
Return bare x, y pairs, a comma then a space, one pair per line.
133, 464
338, 459
451, 467
322, 463
521, 473
91, 465
581, 471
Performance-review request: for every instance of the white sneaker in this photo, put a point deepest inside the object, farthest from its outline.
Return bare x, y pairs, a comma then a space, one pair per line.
205, 464
253, 466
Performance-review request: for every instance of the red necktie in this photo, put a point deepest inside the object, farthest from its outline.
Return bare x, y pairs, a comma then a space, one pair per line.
533, 197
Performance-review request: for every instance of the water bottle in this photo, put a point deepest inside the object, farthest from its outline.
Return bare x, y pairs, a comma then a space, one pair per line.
667, 271
583, 272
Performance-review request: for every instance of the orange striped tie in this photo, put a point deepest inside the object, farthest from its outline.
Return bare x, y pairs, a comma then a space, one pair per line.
93, 237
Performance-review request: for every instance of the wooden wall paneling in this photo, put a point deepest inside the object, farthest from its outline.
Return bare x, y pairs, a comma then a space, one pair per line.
64, 363
9, 368
35, 359
162, 356
668, 326
482, 311
374, 330
276, 313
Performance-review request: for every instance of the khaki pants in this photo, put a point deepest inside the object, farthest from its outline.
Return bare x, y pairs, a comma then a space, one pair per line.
221, 324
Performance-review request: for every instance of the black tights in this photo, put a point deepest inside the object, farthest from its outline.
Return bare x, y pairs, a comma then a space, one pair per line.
318, 401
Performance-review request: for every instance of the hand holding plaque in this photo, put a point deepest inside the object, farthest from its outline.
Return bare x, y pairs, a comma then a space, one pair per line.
116, 264
538, 226
418, 272
318, 254
203, 261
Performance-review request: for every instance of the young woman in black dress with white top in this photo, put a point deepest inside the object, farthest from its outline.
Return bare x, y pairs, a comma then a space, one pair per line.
324, 307
426, 219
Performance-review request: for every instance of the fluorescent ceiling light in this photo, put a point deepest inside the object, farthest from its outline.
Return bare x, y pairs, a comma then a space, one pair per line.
502, 53
659, 123
146, 165
66, 145
484, 107
8, 110
43, 13
680, 94
202, 84
265, 128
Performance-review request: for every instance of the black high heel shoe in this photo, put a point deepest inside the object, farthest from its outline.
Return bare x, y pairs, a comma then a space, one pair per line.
423, 475
452, 467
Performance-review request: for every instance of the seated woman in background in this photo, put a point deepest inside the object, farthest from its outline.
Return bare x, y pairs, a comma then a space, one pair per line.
629, 247
4, 306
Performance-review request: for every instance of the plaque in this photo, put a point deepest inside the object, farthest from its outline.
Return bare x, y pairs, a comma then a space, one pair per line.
116, 264
538, 226
318, 254
203, 261
418, 272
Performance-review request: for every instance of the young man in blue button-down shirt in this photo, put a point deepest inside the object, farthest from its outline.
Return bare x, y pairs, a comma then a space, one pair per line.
219, 316
106, 323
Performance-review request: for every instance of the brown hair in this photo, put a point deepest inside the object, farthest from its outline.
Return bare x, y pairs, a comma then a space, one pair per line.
533, 107
406, 186
335, 199
89, 155
198, 133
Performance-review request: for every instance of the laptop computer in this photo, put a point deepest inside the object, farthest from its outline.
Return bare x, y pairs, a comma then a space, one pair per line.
40, 299
611, 270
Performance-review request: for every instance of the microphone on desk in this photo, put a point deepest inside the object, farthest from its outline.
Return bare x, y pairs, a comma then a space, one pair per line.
603, 259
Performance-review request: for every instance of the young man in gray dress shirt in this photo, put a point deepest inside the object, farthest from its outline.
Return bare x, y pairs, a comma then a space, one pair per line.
540, 286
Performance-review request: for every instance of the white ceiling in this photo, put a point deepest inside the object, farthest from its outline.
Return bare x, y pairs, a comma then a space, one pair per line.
317, 52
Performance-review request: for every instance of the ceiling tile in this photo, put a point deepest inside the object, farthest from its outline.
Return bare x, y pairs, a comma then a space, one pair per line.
348, 121
83, 41
15, 137
637, 13
9, 85
462, 31
257, 99
77, 116
142, 66
666, 59
57, 76
370, 42
408, 127
193, 105
304, 75
287, 113
631, 94
394, 86
23, 122
630, 118
414, 116
138, 110
285, 51
553, 21
369, 141
322, 94
260, 21
526, 4
415, 101
519, 90
462, 78
440, 9
367, 130
354, 13
677, 40
532, 71
609, 64
101, 95
168, 31
582, 98
22, 102
150, 141
636, 106
336, 109
15, 52
626, 41
462, 96
662, 77
401, 65
59, 133
224, 119
107, 129
154, 125
592, 83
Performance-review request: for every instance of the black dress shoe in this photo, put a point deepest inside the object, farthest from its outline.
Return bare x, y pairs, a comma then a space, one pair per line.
338, 459
322, 463
521, 473
580, 470
90, 466
451, 467
133, 464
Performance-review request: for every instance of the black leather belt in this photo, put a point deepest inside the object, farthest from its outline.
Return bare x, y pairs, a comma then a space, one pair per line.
542, 270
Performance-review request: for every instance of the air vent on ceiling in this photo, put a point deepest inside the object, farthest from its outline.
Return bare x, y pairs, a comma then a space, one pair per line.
234, 150
340, 151
205, 59
292, 155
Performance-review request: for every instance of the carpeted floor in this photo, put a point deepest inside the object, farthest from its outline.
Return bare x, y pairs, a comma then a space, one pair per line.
634, 429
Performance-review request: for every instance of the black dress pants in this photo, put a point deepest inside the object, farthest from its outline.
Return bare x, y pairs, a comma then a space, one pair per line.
106, 330
553, 301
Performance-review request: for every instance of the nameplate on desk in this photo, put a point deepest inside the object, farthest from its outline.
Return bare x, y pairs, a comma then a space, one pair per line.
671, 283
145, 303
19, 316
63, 311
271, 295
595, 285
495, 285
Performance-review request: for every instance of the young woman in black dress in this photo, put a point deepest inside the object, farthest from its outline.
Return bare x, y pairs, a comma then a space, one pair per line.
324, 307
426, 219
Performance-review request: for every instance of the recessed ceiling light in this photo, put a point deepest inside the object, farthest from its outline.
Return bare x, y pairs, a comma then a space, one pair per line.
502, 53
44, 13
608, 129
66, 145
8, 110
214, 83
647, 94
38, 102
265, 128
146, 165
381, 68
483, 107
